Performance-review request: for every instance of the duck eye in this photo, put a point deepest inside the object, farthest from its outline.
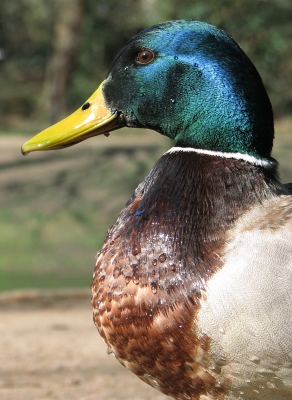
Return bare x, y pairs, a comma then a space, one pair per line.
145, 57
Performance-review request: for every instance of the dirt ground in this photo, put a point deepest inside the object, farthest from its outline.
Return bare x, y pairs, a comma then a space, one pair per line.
50, 349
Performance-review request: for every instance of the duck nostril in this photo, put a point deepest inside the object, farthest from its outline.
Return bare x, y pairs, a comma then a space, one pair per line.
85, 106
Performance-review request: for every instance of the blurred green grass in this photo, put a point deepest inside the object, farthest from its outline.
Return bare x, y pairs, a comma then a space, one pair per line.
55, 207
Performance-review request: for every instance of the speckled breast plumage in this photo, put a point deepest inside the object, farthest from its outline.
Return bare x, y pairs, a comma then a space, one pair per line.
151, 272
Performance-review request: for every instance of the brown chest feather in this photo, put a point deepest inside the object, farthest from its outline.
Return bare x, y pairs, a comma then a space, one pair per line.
152, 270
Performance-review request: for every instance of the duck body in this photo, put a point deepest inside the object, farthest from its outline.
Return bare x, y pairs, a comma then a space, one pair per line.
192, 288
184, 289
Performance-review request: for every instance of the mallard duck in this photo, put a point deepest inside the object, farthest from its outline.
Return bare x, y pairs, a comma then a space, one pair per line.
192, 288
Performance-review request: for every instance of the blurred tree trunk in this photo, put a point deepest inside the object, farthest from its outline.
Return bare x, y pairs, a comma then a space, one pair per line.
61, 62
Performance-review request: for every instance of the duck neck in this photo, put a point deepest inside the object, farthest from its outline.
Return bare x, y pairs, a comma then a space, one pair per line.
192, 176
198, 196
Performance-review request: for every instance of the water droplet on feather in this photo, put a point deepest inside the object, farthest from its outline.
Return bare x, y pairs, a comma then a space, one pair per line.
136, 249
153, 286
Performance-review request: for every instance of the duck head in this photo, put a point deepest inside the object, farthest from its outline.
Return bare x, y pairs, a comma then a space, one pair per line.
187, 80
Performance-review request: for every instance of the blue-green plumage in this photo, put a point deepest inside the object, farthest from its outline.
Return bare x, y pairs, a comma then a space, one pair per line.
201, 89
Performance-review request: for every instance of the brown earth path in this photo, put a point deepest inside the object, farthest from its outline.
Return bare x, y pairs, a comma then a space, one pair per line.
50, 349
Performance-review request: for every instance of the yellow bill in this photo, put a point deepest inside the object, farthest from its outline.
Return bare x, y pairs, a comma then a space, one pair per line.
92, 119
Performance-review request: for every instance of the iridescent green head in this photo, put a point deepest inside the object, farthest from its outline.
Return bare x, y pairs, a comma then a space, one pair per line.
187, 80
199, 89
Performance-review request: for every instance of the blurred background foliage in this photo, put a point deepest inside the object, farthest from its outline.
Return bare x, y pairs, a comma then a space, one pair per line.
54, 54
55, 207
